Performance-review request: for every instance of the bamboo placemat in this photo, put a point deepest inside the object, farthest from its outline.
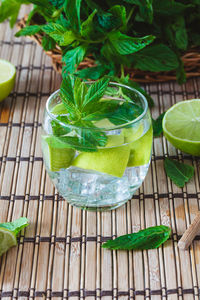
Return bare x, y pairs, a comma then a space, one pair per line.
59, 255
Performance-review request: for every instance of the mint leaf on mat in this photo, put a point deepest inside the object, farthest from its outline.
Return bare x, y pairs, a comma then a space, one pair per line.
157, 125
149, 238
179, 173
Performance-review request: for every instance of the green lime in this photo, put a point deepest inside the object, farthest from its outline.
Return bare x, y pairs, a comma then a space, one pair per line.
181, 126
7, 78
59, 109
140, 148
57, 154
7, 240
111, 160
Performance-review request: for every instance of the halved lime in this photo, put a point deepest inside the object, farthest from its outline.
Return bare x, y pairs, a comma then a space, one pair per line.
111, 160
56, 154
7, 78
140, 147
7, 240
181, 126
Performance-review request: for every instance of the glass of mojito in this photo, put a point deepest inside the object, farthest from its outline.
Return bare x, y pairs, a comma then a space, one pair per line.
96, 142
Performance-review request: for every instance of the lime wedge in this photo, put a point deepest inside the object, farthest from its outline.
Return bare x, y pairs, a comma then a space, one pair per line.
59, 109
7, 240
112, 161
181, 126
56, 154
140, 148
7, 78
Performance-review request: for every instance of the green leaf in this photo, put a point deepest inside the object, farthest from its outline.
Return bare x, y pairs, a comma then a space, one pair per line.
180, 33
145, 9
67, 96
15, 226
178, 172
92, 73
72, 59
29, 30
57, 3
119, 13
80, 90
59, 33
180, 73
169, 8
10, 9
95, 92
157, 125
72, 12
57, 128
87, 27
124, 113
149, 238
124, 44
156, 58
48, 43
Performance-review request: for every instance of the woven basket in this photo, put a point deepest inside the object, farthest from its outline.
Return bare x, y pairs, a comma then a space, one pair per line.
191, 60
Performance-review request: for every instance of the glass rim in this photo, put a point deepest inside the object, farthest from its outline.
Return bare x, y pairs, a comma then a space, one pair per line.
140, 117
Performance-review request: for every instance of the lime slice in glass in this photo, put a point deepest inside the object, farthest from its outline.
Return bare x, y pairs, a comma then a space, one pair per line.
7, 78
7, 240
181, 126
111, 160
59, 109
57, 154
140, 147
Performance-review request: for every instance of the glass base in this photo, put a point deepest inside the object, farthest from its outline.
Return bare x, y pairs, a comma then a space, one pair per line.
93, 190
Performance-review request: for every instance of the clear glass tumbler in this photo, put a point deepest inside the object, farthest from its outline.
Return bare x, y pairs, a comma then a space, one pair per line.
103, 177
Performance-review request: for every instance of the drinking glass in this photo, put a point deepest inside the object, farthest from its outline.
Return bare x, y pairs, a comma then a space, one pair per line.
98, 177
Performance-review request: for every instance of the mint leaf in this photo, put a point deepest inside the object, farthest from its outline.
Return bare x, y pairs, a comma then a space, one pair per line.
124, 44
59, 33
156, 58
179, 173
15, 226
72, 59
72, 12
124, 113
95, 92
57, 128
87, 27
29, 30
80, 90
180, 37
157, 125
145, 9
67, 97
149, 238
57, 3
48, 43
119, 13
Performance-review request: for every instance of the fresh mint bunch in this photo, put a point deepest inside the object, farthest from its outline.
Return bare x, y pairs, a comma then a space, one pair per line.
147, 35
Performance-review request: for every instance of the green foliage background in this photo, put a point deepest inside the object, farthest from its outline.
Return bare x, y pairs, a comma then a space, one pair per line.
148, 35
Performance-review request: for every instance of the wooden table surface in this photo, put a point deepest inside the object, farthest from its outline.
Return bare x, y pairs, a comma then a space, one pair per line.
59, 255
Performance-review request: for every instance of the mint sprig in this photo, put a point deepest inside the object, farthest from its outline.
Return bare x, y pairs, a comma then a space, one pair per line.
149, 238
